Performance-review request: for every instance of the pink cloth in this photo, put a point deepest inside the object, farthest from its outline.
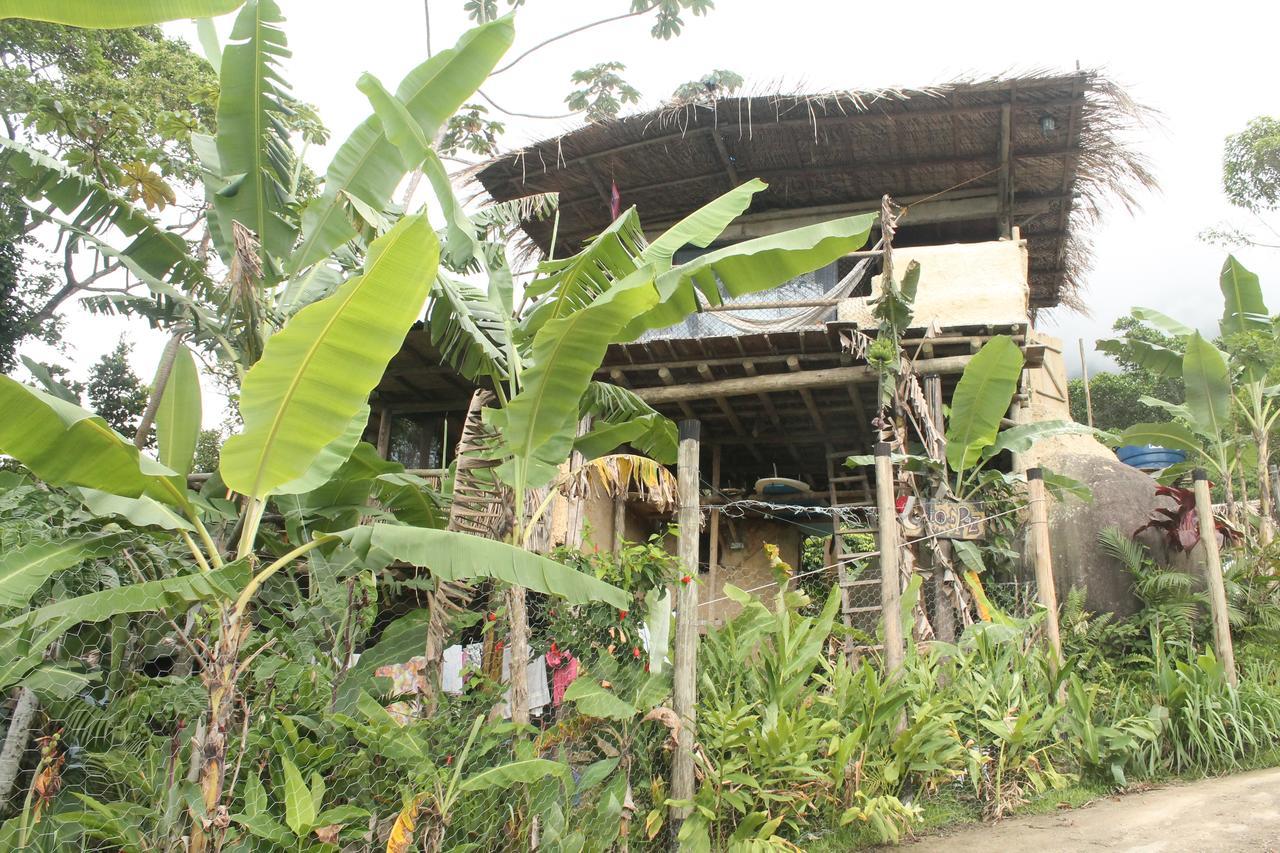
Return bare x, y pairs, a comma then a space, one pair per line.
564, 669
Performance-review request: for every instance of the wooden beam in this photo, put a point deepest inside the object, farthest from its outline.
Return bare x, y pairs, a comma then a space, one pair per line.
727, 409
826, 378
793, 364
384, 433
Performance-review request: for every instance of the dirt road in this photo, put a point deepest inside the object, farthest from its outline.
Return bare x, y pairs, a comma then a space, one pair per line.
1234, 813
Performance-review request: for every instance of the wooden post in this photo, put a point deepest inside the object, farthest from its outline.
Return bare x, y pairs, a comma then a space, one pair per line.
685, 689
713, 544
1084, 374
1043, 559
890, 584
384, 433
1213, 576
576, 506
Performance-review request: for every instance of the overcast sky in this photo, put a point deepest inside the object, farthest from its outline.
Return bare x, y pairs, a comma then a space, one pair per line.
1206, 74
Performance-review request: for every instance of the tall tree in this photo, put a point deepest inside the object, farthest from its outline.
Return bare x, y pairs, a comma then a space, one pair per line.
116, 392
1251, 181
119, 105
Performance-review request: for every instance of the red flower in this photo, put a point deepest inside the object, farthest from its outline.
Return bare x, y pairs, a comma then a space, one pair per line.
635, 652
491, 617
686, 579
448, 761
498, 646
622, 614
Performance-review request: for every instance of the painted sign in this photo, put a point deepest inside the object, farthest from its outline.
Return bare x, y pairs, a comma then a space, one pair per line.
954, 519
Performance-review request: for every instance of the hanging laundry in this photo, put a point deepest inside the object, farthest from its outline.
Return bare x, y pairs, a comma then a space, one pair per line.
451, 670
564, 669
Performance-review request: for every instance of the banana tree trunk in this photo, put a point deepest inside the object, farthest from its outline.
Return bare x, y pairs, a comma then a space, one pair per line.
220, 685
480, 507
15, 741
518, 619
1266, 530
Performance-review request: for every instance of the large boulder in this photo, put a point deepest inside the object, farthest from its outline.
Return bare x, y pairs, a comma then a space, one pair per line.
1123, 497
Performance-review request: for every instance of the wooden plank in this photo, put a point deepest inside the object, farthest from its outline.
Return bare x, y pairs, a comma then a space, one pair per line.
713, 536
1004, 209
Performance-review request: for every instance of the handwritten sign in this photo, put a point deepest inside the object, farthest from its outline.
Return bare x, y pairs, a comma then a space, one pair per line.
954, 519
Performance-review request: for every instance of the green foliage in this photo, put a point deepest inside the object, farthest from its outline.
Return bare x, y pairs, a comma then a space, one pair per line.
115, 391
718, 84
1251, 165
602, 92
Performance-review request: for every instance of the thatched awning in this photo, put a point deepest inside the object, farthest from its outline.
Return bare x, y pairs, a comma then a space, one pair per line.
1038, 152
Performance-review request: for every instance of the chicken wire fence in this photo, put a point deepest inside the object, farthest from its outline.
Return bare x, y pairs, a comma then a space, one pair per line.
335, 743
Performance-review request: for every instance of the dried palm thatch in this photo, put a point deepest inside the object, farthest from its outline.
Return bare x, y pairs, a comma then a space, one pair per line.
938, 150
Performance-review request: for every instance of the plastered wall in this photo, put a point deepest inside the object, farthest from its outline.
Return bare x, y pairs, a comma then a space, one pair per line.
961, 284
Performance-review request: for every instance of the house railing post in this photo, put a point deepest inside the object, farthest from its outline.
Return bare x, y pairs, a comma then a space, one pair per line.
890, 584
685, 691
1213, 575
1041, 557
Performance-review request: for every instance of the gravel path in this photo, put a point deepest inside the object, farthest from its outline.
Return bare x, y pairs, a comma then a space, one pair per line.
1233, 813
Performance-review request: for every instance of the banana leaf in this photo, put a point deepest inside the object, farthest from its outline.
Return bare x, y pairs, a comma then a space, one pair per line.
179, 414
317, 372
621, 417
749, 267
368, 165
64, 445
453, 556
1154, 357
1162, 321
471, 334
1244, 309
24, 570
1174, 436
571, 284
1208, 387
334, 455
116, 14
703, 226
253, 143
140, 511
1021, 438
25, 639
539, 424
524, 772
980, 400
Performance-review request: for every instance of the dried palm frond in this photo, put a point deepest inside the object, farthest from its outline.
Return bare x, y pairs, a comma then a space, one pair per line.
621, 474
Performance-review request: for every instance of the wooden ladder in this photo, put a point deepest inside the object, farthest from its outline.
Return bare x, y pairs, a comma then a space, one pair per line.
859, 596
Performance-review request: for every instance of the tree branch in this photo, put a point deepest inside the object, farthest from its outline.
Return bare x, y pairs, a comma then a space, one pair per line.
646, 10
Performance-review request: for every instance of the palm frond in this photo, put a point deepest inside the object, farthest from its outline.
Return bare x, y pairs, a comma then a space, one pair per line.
467, 329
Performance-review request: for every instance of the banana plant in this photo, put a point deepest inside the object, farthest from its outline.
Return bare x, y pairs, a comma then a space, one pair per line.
974, 437
1221, 387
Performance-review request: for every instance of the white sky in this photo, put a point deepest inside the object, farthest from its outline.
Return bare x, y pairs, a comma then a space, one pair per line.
1207, 73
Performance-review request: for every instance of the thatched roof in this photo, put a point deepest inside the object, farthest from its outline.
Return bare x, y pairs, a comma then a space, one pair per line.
1041, 152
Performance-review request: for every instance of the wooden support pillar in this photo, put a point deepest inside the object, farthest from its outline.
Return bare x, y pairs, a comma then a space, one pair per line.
890, 585
1043, 559
1213, 576
384, 432
1004, 223
713, 543
685, 689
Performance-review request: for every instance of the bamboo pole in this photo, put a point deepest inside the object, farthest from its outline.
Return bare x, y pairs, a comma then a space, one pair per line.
1041, 556
685, 690
890, 585
1084, 374
1213, 575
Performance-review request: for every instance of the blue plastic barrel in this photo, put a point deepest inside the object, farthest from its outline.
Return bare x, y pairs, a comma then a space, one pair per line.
1149, 457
